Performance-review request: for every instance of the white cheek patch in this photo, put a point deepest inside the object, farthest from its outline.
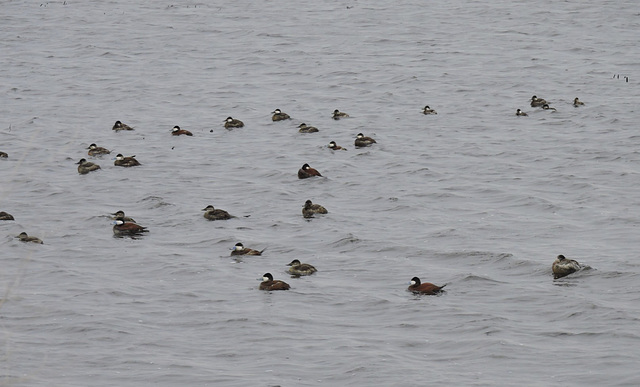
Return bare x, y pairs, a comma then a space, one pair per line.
412, 283
265, 279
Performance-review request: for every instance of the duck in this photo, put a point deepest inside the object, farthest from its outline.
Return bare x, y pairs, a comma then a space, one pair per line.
85, 166
428, 110
337, 114
119, 215
268, 283
577, 102
176, 131
306, 171
278, 115
128, 161
6, 216
304, 128
333, 146
299, 269
562, 266
26, 238
239, 249
547, 107
537, 102
362, 140
212, 213
424, 288
4, 155
521, 113
122, 228
231, 122
118, 126
310, 209
95, 150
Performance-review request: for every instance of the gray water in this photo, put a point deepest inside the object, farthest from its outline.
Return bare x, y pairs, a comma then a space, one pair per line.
473, 197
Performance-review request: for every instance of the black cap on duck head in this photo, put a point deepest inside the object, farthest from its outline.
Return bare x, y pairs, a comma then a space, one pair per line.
561, 257
81, 161
267, 277
92, 146
294, 262
415, 280
306, 166
229, 119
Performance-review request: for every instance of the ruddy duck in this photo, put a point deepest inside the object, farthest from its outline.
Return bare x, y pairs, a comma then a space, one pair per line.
333, 146
562, 266
212, 213
537, 102
176, 131
337, 114
306, 171
239, 249
428, 110
233, 123
4, 155
304, 128
85, 166
119, 215
278, 115
26, 238
424, 288
5, 216
299, 269
362, 140
95, 150
128, 161
118, 126
122, 228
310, 209
577, 102
520, 113
546, 107
269, 284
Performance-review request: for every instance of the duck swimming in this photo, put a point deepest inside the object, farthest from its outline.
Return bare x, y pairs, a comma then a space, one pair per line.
310, 209
333, 146
118, 126
299, 269
85, 166
26, 238
306, 171
6, 216
520, 113
119, 215
537, 102
304, 128
176, 131
4, 155
269, 284
362, 140
128, 161
278, 115
233, 123
239, 249
577, 102
424, 288
546, 107
122, 228
212, 213
562, 266
95, 150
337, 114
428, 110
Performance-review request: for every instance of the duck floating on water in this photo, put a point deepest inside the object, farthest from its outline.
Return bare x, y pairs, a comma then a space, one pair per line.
562, 266
239, 249
268, 283
424, 288
85, 166
299, 269
118, 126
311, 209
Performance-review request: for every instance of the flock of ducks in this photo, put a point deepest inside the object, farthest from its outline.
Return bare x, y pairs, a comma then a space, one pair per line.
127, 226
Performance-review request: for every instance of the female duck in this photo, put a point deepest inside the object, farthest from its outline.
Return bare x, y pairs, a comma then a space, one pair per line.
306, 171
85, 166
428, 110
299, 269
310, 209
26, 238
577, 102
337, 114
128, 161
122, 228
95, 150
176, 131
547, 107
562, 266
212, 213
278, 115
537, 102
268, 283
424, 288
119, 215
5, 216
231, 122
333, 146
304, 128
118, 126
362, 140
521, 113
239, 249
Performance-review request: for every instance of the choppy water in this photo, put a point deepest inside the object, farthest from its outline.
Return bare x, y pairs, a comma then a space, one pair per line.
474, 197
